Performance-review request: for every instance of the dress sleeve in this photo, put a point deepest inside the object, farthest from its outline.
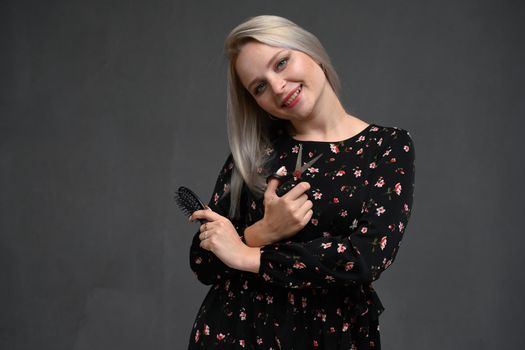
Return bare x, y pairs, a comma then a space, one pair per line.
360, 252
206, 266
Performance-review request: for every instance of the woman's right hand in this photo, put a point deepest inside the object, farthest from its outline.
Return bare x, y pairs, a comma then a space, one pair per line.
283, 216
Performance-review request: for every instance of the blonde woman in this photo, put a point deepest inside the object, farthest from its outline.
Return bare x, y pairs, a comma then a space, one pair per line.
294, 270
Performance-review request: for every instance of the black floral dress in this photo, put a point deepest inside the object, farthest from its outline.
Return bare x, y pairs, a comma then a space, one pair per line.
314, 290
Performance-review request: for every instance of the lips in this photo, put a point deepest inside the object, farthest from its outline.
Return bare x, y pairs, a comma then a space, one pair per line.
290, 98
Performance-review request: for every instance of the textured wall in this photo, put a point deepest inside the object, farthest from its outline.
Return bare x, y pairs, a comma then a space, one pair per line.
107, 106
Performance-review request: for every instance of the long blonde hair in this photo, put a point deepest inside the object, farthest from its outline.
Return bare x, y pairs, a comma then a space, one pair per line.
250, 129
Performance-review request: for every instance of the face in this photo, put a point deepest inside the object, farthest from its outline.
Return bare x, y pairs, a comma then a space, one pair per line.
287, 84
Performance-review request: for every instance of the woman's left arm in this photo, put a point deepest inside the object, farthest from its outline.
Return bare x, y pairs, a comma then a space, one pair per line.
361, 252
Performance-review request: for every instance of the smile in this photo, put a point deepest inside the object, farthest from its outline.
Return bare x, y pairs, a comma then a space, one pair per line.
291, 100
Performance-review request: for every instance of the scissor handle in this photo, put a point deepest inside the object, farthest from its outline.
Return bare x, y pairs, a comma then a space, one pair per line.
286, 183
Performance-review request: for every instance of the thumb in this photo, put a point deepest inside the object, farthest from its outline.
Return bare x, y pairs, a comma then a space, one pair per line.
273, 183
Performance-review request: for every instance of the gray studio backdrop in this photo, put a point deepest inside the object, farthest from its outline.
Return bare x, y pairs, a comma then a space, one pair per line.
108, 106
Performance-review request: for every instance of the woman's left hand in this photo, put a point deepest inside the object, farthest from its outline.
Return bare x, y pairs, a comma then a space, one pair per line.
220, 237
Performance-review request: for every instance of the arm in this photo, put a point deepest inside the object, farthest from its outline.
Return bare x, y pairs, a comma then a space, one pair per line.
358, 253
206, 266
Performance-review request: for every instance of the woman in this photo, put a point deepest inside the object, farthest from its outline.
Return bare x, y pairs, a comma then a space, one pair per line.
294, 270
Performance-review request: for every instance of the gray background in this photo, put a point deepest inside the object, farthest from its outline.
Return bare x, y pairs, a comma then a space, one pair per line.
107, 106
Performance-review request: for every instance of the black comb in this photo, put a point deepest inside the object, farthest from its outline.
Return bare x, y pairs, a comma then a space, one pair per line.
189, 202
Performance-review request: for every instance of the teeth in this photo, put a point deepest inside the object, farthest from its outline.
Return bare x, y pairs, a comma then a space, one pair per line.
290, 100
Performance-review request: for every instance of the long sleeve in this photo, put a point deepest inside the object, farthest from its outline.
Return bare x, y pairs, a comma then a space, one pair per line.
206, 266
359, 252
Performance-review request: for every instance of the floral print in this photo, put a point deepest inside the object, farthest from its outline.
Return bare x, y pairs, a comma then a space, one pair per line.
314, 290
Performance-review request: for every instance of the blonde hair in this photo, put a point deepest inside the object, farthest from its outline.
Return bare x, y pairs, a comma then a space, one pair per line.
250, 130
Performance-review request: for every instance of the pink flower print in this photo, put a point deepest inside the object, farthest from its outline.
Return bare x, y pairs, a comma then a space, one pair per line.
241, 342
198, 260
327, 234
310, 154
380, 182
316, 344
259, 297
304, 302
349, 265
220, 336
359, 151
331, 159
242, 316
386, 263
364, 230
366, 182
341, 247
374, 128
401, 227
266, 277
197, 336
291, 299
380, 211
334, 148
387, 152
299, 265
338, 311
397, 188
406, 208
253, 205
332, 329
335, 200
282, 171
344, 213
382, 243
406, 148
295, 149
269, 299
313, 170
354, 224
215, 197
340, 173
259, 341
361, 138
317, 195
314, 222
326, 245
329, 278
227, 285
372, 165
206, 329
392, 160
345, 326
357, 173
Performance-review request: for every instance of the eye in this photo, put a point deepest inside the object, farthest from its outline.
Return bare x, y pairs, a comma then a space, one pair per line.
282, 62
259, 88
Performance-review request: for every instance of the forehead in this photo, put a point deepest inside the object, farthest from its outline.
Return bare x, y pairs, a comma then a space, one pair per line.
253, 59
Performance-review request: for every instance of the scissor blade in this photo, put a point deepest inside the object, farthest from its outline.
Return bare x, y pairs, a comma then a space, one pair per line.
310, 163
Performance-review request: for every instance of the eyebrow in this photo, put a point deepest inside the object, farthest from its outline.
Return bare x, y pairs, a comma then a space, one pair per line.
267, 66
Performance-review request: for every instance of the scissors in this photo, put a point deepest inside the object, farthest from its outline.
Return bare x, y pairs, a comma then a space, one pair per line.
287, 182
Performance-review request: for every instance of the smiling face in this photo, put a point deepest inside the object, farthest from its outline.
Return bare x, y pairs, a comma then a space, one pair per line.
286, 83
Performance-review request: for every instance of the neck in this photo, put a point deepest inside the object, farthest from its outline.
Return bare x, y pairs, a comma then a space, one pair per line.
325, 121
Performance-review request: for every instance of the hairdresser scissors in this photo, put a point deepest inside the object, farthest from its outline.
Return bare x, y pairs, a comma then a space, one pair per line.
289, 181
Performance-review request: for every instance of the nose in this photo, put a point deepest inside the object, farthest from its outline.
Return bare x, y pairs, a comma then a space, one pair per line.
277, 84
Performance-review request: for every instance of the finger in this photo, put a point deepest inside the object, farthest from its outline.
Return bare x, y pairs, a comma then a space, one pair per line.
204, 244
298, 190
205, 235
307, 217
307, 206
206, 214
272, 185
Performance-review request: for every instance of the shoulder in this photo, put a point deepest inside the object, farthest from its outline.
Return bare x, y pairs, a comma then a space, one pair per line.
388, 136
